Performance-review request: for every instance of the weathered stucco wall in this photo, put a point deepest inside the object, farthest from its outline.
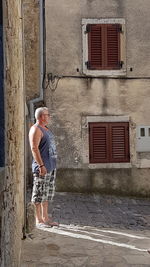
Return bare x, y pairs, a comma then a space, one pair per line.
13, 183
31, 47
75, 99
76, 96
64, 36
32, 79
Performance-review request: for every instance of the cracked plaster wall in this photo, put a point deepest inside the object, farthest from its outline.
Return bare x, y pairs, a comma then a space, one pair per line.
31, 48
31, 23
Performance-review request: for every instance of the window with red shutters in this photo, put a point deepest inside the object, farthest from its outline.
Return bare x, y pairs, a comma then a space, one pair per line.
103, 46
109, 142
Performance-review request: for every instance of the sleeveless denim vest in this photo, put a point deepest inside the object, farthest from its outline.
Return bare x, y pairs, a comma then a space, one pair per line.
47, 149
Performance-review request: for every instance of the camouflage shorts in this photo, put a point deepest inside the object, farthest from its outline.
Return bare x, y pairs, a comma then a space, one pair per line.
43, 187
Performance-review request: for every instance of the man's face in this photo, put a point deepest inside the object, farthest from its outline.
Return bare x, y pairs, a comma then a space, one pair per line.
45, 116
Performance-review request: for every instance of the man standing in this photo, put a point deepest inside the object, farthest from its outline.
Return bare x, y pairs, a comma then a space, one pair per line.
43, 166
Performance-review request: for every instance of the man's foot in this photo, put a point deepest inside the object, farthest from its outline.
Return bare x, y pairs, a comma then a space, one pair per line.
44, 225
51, 223
40, 225
39, 221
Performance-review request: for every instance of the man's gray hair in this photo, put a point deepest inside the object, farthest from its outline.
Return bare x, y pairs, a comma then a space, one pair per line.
39, 112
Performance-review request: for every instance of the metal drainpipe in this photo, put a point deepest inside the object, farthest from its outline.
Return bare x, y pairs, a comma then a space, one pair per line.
40, 98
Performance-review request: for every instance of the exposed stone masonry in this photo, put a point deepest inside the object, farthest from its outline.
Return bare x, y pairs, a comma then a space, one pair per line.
13, 191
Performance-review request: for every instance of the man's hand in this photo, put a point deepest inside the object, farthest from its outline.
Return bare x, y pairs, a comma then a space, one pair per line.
42, 170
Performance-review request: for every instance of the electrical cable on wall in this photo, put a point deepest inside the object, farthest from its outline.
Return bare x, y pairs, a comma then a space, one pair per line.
52, 81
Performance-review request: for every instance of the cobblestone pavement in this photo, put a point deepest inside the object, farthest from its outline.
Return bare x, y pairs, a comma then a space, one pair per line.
95, 230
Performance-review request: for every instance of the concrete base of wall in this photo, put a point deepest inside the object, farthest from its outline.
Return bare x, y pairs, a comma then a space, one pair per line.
30, 219
127, 182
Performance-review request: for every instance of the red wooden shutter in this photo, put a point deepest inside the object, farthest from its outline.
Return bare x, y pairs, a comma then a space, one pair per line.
103, 46
98, 142
109, 142
119, 142
113, 46
95, 38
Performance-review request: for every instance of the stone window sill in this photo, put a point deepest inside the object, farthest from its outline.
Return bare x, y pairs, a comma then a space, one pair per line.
121, 165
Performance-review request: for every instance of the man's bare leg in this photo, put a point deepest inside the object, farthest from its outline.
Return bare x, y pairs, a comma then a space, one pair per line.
38, 212
44, 208
47, 220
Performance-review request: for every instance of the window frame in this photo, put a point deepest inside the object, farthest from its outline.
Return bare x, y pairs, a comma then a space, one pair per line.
85, 119
104, 151
103, 72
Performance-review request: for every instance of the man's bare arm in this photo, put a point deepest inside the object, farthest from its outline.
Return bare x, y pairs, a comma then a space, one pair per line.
35, 136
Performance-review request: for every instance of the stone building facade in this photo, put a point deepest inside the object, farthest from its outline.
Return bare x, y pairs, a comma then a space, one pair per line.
79, 96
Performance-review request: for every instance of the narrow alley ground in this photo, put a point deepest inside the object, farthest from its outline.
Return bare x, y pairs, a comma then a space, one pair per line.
95, 230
